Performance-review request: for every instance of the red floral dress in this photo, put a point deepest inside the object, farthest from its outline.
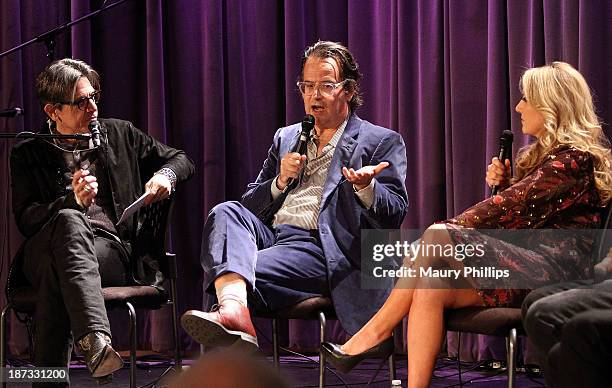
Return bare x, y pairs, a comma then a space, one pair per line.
559, 194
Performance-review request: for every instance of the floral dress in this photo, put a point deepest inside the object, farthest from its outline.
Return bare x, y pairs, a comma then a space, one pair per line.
559, 194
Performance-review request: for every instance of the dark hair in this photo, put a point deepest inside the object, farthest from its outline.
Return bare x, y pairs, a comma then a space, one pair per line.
57, 83
349, 69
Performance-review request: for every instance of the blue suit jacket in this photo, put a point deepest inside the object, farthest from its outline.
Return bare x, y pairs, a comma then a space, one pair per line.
342, 216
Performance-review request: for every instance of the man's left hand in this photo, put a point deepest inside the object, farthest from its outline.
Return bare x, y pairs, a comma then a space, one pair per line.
158, 188
362, 177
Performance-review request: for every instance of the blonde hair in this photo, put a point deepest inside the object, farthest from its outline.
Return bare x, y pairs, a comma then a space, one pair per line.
560, 93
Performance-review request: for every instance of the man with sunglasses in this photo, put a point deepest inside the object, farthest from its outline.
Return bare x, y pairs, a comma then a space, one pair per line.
350, 178
67, 198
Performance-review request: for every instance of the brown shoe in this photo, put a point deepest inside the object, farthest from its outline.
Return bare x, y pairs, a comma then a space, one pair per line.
226, 325
100, 357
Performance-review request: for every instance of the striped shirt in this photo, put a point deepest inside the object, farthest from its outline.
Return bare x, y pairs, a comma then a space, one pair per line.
301, 207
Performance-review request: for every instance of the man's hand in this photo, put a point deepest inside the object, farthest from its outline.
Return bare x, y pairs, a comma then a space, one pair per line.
158, 187
498, 174
85, 187
603, 269
362, 177
291, 167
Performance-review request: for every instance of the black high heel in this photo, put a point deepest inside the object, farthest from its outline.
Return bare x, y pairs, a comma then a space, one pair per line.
346, 362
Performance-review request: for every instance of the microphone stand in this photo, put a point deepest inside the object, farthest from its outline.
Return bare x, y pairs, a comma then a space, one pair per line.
49, 37
32, 135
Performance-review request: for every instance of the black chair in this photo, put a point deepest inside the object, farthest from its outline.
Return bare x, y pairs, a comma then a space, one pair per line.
150, 242
507, 322
320, 308
494, 321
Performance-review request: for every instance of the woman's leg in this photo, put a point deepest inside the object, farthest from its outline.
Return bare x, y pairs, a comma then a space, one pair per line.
426, 328
398, 304
381, 325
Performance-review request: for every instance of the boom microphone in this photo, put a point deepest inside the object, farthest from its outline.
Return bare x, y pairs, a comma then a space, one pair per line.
11, 112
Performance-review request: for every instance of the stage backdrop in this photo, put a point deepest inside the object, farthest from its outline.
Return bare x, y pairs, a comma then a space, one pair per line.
217, 78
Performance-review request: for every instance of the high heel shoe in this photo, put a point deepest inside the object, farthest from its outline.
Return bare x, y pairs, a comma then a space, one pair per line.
346, 362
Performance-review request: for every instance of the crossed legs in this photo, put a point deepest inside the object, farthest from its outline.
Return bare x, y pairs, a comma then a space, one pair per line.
243, 259
424, 305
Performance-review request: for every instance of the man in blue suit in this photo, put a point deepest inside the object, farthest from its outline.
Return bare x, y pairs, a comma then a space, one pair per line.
350, 178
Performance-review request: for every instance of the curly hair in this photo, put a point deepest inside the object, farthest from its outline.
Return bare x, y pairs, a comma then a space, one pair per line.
560, 93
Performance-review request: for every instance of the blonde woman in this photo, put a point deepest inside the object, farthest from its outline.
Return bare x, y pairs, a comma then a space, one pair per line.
562, 181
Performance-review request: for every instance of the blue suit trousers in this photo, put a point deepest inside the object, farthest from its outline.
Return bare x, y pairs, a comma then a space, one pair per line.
282, 265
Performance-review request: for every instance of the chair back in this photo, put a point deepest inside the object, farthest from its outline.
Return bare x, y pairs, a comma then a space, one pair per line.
150, 264
18, 290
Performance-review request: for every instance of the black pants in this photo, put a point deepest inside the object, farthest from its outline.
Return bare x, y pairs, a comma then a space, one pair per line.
570, 324
64, 262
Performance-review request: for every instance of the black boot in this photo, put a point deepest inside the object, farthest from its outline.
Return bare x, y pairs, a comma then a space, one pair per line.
100, 357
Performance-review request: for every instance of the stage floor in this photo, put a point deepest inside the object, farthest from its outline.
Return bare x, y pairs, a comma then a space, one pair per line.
303, 373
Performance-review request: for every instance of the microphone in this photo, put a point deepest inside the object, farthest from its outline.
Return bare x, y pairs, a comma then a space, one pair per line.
11, 112
266, 215
94, 128
505, 152
307, 125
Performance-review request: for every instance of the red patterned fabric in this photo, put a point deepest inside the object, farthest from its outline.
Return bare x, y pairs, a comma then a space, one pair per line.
559, 194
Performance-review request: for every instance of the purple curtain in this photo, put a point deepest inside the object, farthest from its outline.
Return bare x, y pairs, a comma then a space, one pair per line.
217, 78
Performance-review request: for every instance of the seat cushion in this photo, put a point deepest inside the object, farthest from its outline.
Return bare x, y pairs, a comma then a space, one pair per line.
23, 299
139, 296
306, 309
484, 320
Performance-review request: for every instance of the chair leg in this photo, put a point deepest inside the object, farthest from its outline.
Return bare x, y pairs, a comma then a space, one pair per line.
275, 346
323, 323
3, 344
30, 329
133, 344
392, 373
178, 361
511, 353
459, 358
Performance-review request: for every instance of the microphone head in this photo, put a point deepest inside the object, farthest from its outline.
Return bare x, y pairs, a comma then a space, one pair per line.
308, 124
506, 138
11, 112
94, 128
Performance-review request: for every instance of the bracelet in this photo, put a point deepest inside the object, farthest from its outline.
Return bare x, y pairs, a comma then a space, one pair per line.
168, 173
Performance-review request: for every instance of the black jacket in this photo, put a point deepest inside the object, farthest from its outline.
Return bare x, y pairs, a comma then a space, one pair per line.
126, 154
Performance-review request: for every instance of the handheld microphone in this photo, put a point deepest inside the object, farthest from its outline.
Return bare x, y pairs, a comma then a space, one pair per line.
266, 215
11, 112
94, 128
505, 152
307, 125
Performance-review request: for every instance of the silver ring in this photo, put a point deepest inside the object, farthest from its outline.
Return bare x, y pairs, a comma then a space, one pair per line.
87, 189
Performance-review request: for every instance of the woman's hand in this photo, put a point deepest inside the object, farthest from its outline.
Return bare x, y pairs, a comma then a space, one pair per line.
498, 174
